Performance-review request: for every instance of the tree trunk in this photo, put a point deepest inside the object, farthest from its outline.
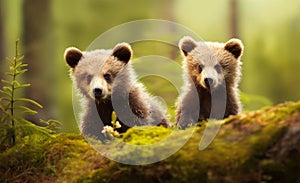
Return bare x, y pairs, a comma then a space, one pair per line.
38, 53
2, 49
167, 11
233, 18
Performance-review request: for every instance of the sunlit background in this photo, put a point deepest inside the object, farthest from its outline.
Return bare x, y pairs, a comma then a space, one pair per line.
269, 29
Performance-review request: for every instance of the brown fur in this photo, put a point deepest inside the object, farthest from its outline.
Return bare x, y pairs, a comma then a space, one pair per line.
209, 55
89, 72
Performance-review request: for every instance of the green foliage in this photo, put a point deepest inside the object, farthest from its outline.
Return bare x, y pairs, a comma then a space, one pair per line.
52, 125
13, 124
253, 102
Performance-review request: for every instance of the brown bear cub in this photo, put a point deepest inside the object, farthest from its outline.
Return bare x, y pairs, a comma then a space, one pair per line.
211, 73
107, 82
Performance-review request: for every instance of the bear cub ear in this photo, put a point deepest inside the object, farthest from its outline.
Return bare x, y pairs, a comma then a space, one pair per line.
123, 52
72, 56
235, 47
187, 44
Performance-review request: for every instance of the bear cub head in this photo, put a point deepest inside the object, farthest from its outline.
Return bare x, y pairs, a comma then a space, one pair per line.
211, 64
94, 72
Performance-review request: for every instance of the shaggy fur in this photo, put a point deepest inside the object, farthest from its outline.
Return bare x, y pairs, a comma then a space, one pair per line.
106, 80
212, 69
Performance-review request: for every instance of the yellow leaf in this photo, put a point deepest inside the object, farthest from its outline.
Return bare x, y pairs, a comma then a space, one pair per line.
113, 117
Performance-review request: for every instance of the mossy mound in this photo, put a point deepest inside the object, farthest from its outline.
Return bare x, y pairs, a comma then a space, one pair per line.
259, 146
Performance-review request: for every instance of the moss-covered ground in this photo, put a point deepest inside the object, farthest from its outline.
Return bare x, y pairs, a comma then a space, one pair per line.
258, 146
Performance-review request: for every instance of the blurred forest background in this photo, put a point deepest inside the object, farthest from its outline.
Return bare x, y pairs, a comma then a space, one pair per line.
269, 29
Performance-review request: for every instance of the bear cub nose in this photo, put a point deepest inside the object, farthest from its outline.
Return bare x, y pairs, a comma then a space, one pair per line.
97, 92
208, 82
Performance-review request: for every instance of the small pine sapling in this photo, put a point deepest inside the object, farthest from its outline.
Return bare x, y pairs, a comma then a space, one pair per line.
12, 107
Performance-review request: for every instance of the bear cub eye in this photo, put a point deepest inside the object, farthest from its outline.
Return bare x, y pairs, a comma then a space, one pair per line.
89, 78
107, 77
201, 66
218, 68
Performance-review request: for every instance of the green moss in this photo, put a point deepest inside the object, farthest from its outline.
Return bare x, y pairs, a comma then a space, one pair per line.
146, 135
71, 157
272, 171
18, 162
239, 152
